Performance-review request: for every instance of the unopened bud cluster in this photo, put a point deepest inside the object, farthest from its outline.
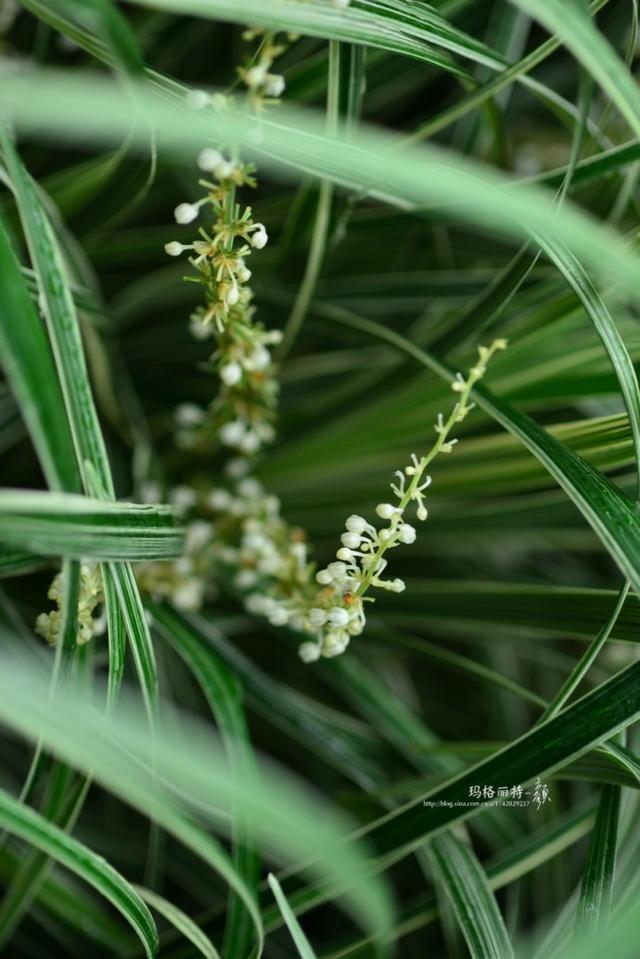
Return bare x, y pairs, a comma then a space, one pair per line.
90, 595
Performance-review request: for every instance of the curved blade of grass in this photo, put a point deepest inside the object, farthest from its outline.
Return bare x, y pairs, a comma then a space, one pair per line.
471, 897
103, 18
608, 511
39, 832
606, 329
223, 697
181, 766
596, 896
28, 364
572, 25
298, 142
181, 921
64, 524
302, 944
64, 332
457, 867
59, 309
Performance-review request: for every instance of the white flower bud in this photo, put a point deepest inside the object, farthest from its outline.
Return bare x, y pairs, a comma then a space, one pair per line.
356, 524
260, 238
337, 570
245, 578
274, 85
231, 373
199, 534
174, 248
219, 499
232, 433
209, 159
279, 616
309, 652
243, 274
188, 414
335, 643
407, 533
344, 554
224, 170
188, 596
351, 540
182, 497
259, 359
233, 295
324, 577
198, 99
338, 616
386, 510
250, 488
254, 77
250, 442
317, 616
397, 586
186, 212
422, 512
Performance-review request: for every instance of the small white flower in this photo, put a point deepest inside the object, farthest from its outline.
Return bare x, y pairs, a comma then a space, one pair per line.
189, 414
174, 248
259, 605
198, 99
337, 570
231, 373
338, 616
422, 512
244, 273
250, 487
335, 643
397, 586
236, 468
151, 492
233, 295
224, 170
309, 652
258, 359
407, 533
209, 159
260, 238
182, 497
386, 510
186, 212
274, 85
199, 533
255, 76
250, 442
232, 433
188, 596
219, 499
245, 579
279, 616
317, 616
324, 577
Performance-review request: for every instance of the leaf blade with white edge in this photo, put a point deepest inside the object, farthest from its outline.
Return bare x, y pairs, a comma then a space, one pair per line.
596, 895
301, 942
181, 921
39, 832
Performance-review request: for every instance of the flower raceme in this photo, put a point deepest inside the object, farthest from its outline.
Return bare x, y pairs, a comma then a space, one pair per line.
335, 611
